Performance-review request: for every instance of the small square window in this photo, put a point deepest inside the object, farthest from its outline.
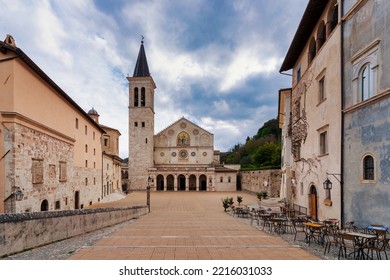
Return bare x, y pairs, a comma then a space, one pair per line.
57, 205
135, 124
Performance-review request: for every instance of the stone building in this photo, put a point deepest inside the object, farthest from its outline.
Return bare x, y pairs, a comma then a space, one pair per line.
366, 62
179, 158
111, 162
314, 125
50, 149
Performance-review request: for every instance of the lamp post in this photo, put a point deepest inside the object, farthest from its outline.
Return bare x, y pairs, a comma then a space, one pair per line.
16, 195
148, 193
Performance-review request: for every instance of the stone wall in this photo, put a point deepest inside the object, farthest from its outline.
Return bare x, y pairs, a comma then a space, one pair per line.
20, 232
261, 180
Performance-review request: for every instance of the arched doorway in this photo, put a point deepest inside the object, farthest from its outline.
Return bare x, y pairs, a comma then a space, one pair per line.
170, 183
313, 202
160, 182
203, 182
76, 200
192, 186
181, 183
44, 205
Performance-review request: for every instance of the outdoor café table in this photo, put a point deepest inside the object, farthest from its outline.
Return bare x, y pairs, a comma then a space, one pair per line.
279, 224
314, 231
377, 230
360, 243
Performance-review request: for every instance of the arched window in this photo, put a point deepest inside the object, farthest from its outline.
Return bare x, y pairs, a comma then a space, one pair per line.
44, 205
312, 50
368, 168
366, 81
333, 15
321, 35
143, 97
136, 97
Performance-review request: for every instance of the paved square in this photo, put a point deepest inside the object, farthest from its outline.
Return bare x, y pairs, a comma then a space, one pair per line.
189, 226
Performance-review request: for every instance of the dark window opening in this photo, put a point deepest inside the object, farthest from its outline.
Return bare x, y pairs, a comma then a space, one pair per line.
143, 97
136, 97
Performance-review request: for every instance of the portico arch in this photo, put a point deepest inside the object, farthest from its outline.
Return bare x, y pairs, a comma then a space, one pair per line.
170, 183
181, 182
202, 183
192, 186
160, 182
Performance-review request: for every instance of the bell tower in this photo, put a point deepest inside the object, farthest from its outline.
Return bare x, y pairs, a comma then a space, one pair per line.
141, 122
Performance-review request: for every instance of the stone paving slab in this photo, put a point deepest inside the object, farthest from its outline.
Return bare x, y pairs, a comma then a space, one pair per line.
189, 226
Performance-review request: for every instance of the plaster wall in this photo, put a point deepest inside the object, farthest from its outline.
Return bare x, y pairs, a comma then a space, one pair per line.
367, 123
317, 116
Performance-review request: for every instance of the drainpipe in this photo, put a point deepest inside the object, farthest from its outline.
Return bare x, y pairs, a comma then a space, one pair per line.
342, 113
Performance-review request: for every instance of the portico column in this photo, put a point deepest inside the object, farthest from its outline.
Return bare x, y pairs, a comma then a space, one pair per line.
197, 182
175, 182
165, 183
187, 183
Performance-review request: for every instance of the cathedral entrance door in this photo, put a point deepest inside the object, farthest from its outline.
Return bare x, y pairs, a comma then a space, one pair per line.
182, 183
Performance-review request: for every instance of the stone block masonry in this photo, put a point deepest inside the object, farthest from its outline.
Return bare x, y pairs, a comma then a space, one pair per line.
262, 180
20, 232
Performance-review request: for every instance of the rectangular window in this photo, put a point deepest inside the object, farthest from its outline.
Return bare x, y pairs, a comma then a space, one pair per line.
77, 123
62, 171
57, 205
106, 142
86, 130
94, 151
37, 171
86, 181
324, 143
321, 90
86, 163
94, 164
86, 148
135, 124
143, 124
93, 135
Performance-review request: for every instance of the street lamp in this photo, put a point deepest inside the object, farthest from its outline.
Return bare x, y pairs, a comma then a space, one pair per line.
327, 184
16, 195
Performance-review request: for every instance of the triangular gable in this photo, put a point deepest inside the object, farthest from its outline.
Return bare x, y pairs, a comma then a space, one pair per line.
183, 119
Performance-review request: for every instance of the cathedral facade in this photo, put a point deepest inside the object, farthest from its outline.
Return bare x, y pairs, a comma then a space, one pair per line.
179, 158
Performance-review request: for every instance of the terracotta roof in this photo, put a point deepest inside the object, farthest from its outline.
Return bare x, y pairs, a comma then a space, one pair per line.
141, 67
309, 20
5, 47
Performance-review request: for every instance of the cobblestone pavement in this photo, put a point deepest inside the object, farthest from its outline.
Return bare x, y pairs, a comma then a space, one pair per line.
180, 226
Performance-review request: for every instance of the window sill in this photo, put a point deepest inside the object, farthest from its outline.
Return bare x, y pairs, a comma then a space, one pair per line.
323, 155
367, 101
368, 182
320, 102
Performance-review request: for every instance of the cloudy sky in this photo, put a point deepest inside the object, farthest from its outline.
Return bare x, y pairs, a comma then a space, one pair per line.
215, 62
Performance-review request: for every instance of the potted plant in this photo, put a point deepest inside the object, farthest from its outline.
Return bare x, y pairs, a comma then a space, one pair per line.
239, 199
226, 203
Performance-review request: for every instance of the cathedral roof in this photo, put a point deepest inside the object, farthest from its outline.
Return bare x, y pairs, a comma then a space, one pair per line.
141, 67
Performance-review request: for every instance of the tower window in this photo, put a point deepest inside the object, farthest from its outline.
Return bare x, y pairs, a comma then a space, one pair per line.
146, 140
136, 97
135, 124
143, 124
143, 97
